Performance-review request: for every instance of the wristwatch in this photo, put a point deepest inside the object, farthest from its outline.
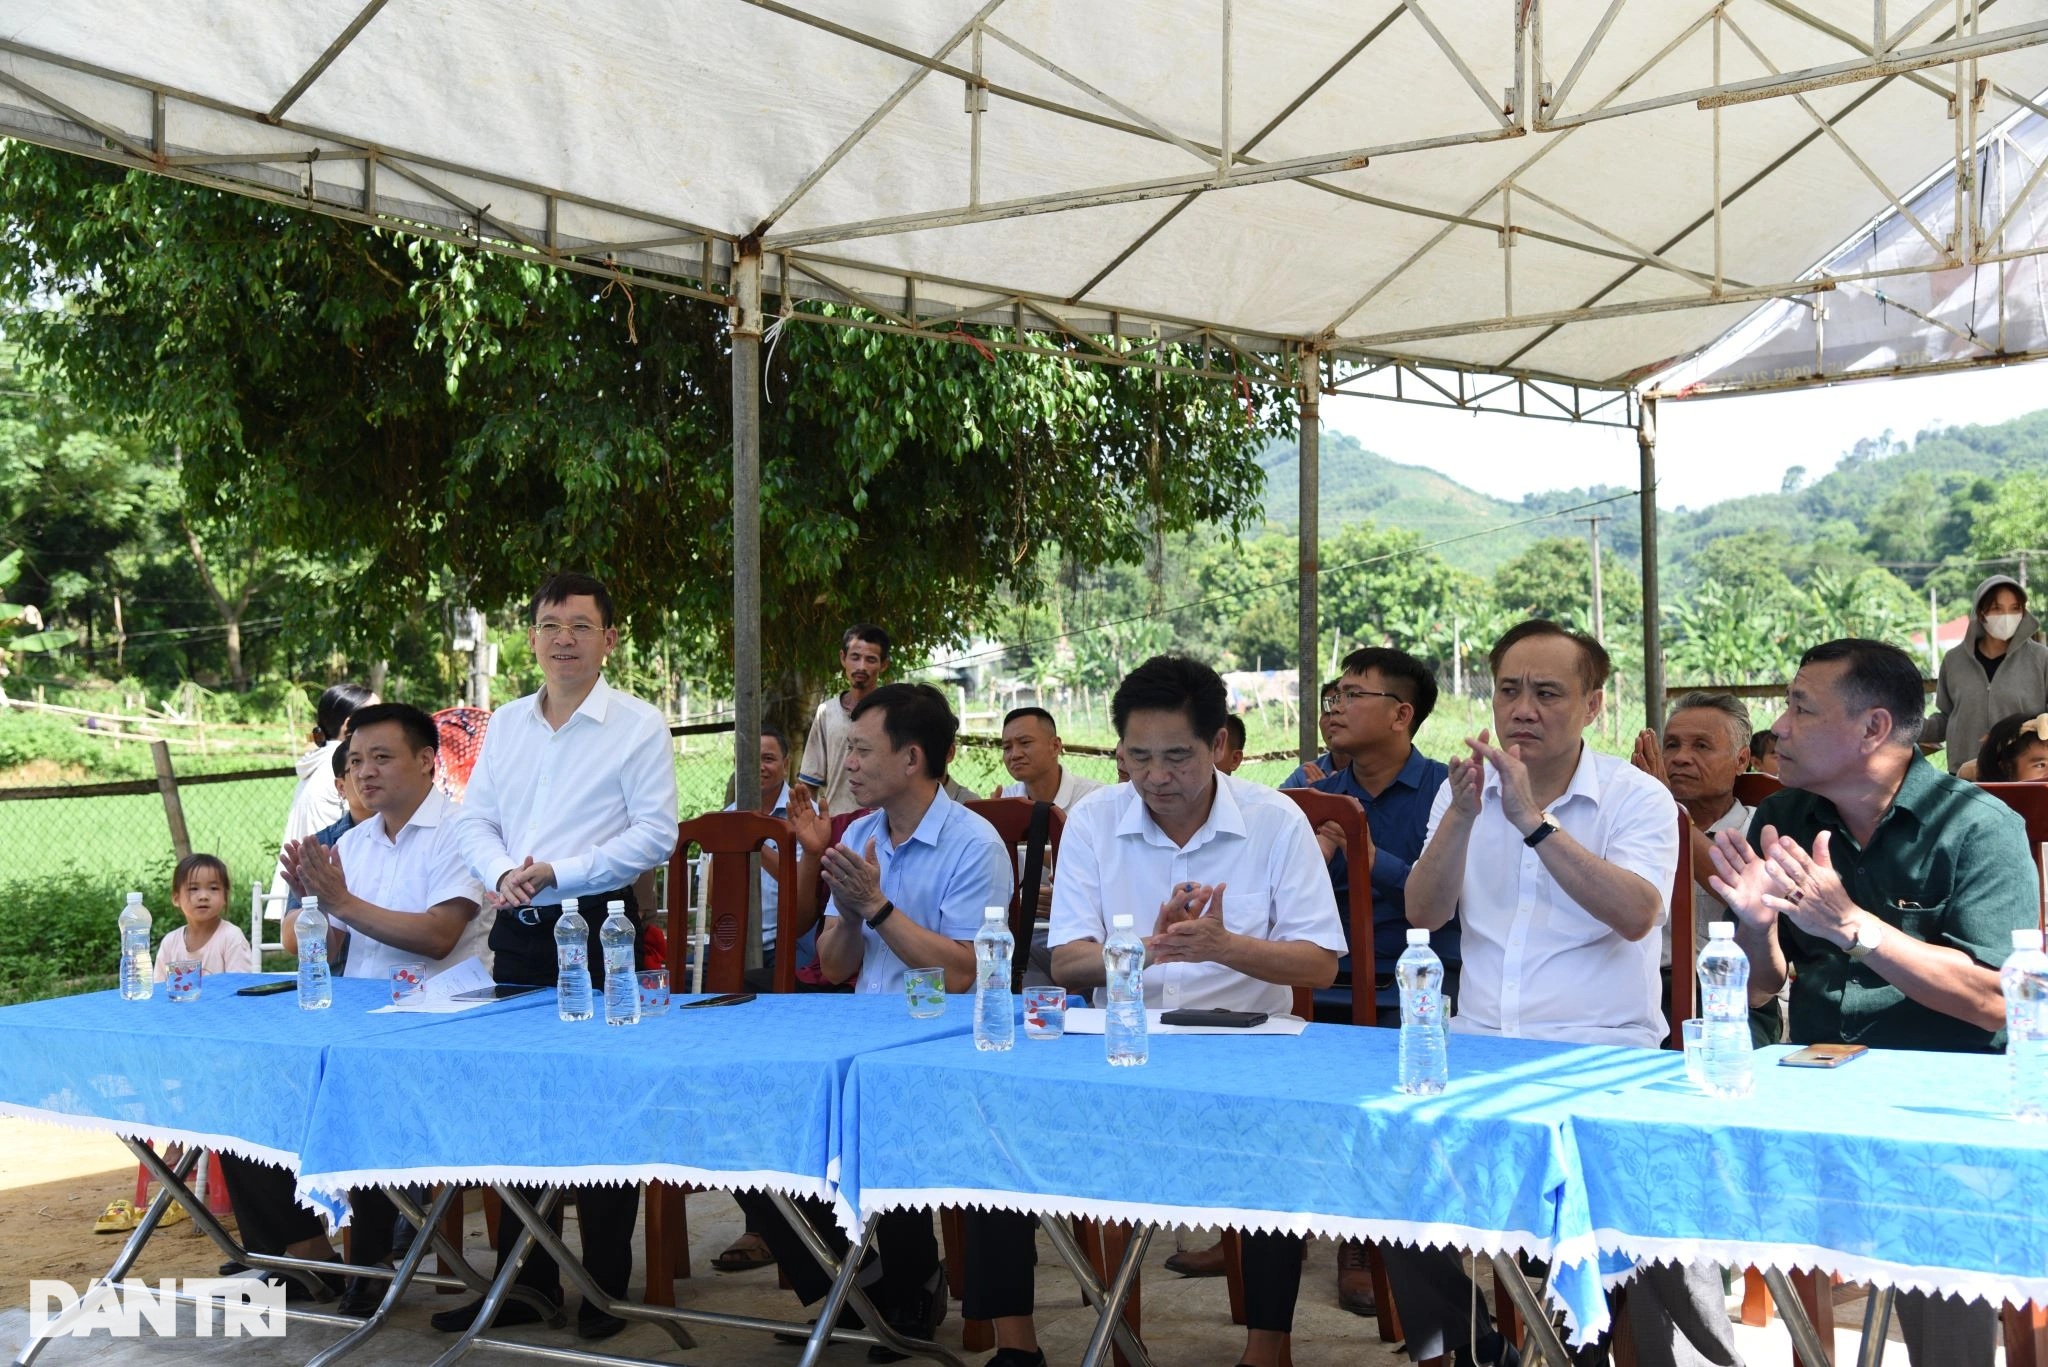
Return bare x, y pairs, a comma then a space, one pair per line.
888, 909
1869, 935
1542, 831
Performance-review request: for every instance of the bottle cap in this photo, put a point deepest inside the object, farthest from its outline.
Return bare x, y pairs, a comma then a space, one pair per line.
133, 898
2026, 939
616, 905
995, 913
1121, 922
309, 903
570, 904
1721, 930
1418, 936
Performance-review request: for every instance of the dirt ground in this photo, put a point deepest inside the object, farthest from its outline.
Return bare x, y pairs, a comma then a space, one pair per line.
53, 1184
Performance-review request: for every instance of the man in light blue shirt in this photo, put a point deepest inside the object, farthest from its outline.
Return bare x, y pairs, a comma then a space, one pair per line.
908, 882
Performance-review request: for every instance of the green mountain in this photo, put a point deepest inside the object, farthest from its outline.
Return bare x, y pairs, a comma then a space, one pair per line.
1475, 532
1904, 505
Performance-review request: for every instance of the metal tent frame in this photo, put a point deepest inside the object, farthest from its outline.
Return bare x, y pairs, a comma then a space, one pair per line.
1556, 199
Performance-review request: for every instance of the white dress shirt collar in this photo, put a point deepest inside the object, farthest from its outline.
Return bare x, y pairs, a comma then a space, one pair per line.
1225, 818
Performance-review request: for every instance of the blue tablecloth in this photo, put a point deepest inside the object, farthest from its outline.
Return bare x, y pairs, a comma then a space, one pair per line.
1899, 1168
737, 1097
1262, 1132
224, 1072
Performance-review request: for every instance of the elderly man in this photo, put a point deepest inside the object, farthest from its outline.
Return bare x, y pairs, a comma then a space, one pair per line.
1245, 914
1888, 892
1705, 745
1557, 861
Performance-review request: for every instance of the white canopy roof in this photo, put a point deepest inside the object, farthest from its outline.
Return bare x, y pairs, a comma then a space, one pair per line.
1379, 180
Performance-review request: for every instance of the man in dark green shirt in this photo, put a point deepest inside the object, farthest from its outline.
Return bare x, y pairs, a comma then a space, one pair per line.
1887, 890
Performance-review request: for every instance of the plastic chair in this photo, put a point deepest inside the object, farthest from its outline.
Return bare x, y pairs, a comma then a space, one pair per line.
726, 839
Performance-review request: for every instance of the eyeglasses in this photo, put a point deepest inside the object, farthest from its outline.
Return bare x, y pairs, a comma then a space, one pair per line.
1349, 695
582, 631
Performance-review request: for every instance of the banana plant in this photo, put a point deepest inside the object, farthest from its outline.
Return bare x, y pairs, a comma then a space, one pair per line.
21, 625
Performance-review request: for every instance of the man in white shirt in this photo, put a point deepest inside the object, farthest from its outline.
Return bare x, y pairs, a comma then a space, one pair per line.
395, 888
864, 656
1558, 862
317, 803
1246, 915
573, 795
1031, 753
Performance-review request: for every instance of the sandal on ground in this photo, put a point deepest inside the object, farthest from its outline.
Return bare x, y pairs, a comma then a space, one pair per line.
747, 1253
118, 1218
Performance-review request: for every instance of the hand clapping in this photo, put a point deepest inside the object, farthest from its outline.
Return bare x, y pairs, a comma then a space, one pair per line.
1190, 927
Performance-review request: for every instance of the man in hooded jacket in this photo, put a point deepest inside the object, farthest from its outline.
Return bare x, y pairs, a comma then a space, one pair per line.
1999, 669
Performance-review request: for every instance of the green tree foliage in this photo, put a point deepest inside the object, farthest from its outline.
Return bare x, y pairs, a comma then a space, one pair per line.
411, 410
1554, 579
2016, 520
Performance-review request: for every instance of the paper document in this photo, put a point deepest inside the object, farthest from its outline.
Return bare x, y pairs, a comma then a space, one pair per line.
438, 996
1088, 1020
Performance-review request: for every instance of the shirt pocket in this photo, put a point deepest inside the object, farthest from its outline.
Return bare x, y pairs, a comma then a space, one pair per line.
1922, 921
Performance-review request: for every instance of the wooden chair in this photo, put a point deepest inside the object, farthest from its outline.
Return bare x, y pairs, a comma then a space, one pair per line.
2026, 1326
1347, 813
1012, 817
728, 838
1751, 789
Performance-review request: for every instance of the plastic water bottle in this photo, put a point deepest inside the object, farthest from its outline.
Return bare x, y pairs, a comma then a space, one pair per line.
1724, 1006
621, 981
1424, 1067
316, 986
2024, 980
995, 1016
138, 978
572, 963
1123, 968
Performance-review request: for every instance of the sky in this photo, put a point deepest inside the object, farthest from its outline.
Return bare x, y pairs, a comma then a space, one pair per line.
1707, 449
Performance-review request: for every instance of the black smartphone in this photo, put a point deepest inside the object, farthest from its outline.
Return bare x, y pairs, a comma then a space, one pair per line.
268, 989
730, 999
1214, 1016
497, 992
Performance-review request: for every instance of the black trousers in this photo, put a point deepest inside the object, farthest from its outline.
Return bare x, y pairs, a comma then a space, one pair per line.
271, 1219
1002, 1248
909, 1249
606, 1215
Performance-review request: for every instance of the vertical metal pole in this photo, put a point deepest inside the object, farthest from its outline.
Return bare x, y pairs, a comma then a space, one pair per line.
1307, 639
745, 316
1653, 652
1599, 607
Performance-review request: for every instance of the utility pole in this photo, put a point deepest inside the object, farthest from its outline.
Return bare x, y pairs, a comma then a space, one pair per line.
1599, 609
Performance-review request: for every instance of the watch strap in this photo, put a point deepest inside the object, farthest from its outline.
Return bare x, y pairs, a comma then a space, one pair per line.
1542, 831
888, 909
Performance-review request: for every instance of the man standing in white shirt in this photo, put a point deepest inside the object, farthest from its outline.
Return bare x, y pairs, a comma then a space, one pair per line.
573, 795
395, 886
1558, 862
864, 656
1246, 915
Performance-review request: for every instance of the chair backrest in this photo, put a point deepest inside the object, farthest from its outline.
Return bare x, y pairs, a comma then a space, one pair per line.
1348, 814
728, 838
1011, 816
2030, 800
1684, 979
264, 908
1751, 789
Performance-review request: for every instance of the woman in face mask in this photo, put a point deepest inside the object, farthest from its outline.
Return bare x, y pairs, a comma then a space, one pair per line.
1998, 670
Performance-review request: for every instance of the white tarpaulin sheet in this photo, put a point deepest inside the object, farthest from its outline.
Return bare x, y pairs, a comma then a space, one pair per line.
1376, 177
